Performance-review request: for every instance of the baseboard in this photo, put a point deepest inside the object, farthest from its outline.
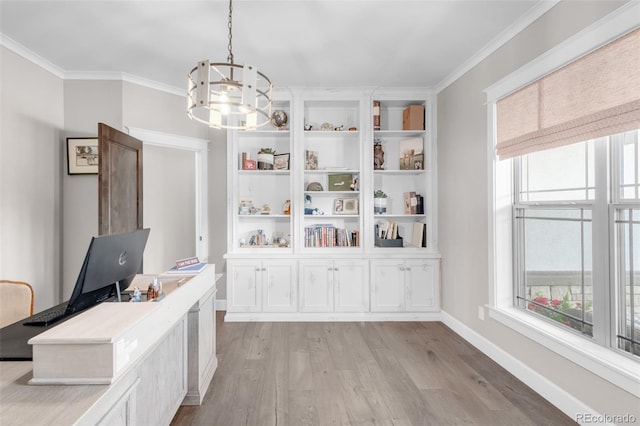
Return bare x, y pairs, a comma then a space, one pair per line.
329, 316
557, 396
221, 305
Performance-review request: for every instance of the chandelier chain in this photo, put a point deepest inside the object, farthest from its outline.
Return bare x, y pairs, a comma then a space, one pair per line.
230, 56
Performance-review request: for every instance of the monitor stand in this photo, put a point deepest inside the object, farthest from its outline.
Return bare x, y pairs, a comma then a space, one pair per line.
118, 291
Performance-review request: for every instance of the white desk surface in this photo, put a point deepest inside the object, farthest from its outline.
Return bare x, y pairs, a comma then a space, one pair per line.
24, 404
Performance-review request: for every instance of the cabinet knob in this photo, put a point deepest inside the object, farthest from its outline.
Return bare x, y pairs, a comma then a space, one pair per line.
408, 268
264, 269
336, 269
257, 269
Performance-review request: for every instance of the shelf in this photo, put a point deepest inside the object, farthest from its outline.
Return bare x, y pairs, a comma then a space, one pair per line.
264, 216
331, 216
322, 193
398, 133
272, 247
332, 133
274, 132
399, 216
264, 172
399, 172
333, 249
331, 171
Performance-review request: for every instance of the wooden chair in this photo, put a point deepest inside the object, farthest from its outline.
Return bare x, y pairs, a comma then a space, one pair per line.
16, 301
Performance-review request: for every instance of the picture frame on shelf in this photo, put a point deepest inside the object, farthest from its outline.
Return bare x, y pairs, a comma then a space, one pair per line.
412, 154
345, 206
340, 182
311, 160
82, 156
281, 161
410, 202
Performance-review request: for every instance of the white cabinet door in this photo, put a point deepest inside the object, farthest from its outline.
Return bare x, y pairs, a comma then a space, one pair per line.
387, 285
351, 285
316, 286
243, 287
421, 278
279, 286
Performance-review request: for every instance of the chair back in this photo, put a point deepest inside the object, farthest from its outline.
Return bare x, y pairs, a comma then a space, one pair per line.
16, 301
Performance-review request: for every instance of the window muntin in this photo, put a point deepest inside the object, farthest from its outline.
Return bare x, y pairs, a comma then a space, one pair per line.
627, 225
555, 273
629, 166
561, 174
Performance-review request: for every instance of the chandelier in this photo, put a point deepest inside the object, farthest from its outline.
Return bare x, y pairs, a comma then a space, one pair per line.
226, 95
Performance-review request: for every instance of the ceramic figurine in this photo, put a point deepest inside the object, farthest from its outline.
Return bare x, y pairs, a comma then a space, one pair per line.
137, 295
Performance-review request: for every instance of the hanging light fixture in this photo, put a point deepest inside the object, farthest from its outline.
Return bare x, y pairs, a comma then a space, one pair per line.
226, 95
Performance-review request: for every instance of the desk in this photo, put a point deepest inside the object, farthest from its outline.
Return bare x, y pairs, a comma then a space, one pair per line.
181, 345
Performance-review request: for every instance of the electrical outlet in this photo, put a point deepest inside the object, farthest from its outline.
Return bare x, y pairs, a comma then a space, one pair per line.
481, 312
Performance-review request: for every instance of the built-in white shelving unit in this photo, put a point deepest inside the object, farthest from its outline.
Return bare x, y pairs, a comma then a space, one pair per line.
320, 259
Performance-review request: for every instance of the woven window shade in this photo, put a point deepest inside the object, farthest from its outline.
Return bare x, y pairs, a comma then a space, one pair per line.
594, 96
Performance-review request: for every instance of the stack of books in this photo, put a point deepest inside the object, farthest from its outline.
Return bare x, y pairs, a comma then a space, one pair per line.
330, 236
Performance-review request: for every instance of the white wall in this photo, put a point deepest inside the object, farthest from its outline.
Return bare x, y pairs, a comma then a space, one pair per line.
169, 206
463, 203
86, 103
218, 221
31, 117
47, 217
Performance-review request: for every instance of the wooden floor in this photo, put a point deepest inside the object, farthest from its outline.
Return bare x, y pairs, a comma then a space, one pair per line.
391, 373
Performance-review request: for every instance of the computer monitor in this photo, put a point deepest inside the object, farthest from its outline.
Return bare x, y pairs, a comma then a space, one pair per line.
110, 259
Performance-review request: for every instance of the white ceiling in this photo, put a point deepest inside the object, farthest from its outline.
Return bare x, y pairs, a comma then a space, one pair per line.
321, 43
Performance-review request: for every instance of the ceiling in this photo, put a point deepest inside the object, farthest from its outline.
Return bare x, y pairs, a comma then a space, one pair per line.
312, 43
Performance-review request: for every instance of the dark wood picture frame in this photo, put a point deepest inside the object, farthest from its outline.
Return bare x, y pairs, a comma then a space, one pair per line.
281, 161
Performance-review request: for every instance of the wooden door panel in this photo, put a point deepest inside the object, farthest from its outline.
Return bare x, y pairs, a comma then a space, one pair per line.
120, 181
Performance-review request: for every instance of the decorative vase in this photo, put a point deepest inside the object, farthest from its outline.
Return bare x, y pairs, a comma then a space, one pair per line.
265, 161
379, 205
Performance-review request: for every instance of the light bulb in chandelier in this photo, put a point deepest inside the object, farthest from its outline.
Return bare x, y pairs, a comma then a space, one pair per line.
229, 95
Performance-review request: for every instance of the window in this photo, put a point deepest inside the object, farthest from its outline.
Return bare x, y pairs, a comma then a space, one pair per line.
626, 242
564, 225
554, 197
556, 194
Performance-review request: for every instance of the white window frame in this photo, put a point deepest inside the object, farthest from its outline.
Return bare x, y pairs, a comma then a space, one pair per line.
609, 364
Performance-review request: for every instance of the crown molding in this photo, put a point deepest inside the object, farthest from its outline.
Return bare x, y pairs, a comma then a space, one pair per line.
126, 77
510, 32
29, 55
85, 75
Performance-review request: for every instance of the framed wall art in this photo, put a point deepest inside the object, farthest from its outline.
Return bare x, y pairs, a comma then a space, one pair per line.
82, 156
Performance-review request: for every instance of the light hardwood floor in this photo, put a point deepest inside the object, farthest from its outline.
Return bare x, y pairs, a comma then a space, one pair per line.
368, 373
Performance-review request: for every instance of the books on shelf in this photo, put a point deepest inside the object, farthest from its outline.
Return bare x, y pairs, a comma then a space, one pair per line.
412, 154
324, 235
420, 205
387, 230
419, 234
386, 234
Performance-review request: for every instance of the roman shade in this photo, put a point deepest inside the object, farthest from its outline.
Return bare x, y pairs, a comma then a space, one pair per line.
594, 96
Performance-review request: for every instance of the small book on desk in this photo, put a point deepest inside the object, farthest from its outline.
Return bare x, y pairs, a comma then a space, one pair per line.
191, 269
